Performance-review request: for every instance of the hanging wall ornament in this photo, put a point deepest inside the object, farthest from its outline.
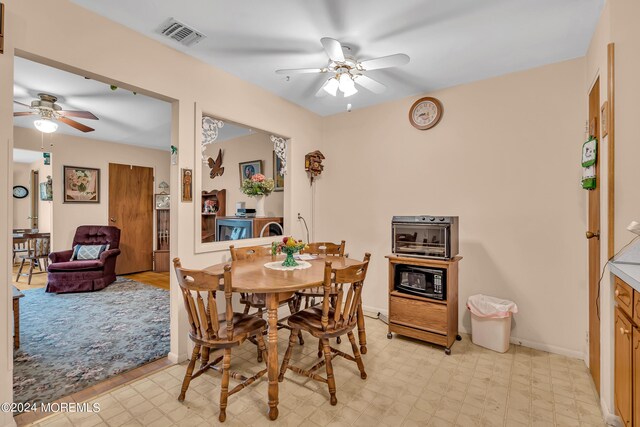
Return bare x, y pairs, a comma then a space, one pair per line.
210, 127
280, 147
174, 155
313, 164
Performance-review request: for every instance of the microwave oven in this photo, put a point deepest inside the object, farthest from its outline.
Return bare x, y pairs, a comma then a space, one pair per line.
421, 281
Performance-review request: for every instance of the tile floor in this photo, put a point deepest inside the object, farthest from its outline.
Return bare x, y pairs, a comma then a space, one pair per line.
409, 383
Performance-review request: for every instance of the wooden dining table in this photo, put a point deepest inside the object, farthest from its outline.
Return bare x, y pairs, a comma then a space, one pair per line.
251, 276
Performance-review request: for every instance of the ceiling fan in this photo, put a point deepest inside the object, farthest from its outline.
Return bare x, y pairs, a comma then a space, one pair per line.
347, 70
50, 112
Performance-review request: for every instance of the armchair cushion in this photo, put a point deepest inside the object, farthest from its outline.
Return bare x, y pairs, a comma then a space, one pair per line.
81, 265
83, 252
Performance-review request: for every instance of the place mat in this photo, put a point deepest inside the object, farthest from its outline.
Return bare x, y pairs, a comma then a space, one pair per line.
277, 265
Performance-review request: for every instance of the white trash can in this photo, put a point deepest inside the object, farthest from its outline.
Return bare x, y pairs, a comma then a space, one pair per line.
491, 321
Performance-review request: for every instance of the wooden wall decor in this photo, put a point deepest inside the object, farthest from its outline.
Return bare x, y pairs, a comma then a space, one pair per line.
611, 123
216, 165
187, 185
1, 27
313, 164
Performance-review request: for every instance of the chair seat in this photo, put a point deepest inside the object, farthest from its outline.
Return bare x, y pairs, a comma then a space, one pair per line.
310, 320
81, 265
244, 326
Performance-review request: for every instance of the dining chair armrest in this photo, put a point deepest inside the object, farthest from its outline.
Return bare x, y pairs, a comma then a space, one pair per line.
62, 256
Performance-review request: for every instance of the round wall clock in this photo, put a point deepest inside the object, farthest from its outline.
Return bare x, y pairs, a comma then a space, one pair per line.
20, 191
425, 113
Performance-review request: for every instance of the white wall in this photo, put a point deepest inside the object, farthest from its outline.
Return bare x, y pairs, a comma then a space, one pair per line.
505, 159
257, 146
22, 207
80, 151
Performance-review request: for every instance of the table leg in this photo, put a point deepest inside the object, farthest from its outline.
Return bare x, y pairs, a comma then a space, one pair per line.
272, 310
16, 323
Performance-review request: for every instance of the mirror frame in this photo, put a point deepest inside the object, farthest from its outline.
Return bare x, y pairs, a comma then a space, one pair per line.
200, 247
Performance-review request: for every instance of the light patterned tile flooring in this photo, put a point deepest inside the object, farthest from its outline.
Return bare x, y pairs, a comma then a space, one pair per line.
409, 383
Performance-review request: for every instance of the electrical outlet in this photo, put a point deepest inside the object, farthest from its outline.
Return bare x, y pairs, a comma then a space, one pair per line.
299, 216
586, 337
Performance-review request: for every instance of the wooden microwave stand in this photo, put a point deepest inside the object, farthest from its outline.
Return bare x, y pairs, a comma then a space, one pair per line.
423, 318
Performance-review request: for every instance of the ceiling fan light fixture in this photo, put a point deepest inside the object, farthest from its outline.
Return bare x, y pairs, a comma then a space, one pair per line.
45, 125
331, 87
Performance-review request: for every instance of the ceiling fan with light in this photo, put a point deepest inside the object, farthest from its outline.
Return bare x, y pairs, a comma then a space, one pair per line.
50, 112
347, 70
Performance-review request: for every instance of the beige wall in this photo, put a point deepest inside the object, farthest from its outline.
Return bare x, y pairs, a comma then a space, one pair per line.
79, 151
22, 207
257, 146
132, 61
505, 159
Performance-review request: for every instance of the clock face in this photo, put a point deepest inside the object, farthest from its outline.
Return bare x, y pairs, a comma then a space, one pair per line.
20, 192
163, 201
425, 113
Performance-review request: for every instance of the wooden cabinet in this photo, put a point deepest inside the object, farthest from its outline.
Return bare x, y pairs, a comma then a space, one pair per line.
636, 376
627, 353
624, 296
623, 369
423, 318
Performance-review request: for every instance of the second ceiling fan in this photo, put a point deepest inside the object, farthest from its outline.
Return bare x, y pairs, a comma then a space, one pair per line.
49, 112
347, 70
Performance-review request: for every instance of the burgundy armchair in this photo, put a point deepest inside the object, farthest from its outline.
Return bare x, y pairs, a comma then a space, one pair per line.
65, 275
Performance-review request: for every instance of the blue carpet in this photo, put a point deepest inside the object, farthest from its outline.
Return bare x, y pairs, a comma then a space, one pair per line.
69, 342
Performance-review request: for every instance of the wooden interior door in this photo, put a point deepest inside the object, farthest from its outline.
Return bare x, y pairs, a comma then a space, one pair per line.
131, 210
593, 234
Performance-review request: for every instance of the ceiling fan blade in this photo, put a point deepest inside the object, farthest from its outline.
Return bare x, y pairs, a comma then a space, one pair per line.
333, 49
21, 103
75, 124
81, 114
385, 62
369, 84
302, 71
24, 113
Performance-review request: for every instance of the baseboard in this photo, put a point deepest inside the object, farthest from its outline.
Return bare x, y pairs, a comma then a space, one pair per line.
177, 358
610, 418
374, 311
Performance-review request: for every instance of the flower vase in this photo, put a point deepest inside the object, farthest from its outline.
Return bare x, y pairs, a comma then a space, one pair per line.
260, 206
289, 261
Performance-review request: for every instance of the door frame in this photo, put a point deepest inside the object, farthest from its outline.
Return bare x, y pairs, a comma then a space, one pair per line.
594, 243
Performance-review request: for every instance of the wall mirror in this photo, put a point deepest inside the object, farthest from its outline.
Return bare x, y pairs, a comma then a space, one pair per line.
241, 174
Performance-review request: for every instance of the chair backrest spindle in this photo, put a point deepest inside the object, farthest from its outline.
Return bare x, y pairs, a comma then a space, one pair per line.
349, 279
203, 311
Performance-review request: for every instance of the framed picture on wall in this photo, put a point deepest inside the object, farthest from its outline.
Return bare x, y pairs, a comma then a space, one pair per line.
187, 185
81, 185
46, 190
278, 179
248, 169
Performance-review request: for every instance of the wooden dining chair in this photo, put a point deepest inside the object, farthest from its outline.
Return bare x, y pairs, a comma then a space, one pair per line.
317, 248
211, 331
328, 322
258, 300
37, 253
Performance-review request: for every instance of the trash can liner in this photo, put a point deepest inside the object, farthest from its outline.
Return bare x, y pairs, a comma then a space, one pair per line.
491, 307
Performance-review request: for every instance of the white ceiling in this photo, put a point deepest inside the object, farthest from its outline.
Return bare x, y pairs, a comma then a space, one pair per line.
123, 117
449, 42
26, 156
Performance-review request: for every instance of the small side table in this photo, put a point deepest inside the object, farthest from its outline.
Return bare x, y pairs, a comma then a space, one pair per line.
16, 316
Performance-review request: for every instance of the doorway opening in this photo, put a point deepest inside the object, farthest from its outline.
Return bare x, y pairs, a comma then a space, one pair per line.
100, 306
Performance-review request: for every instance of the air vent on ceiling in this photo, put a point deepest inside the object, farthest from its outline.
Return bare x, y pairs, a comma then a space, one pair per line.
179, 32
